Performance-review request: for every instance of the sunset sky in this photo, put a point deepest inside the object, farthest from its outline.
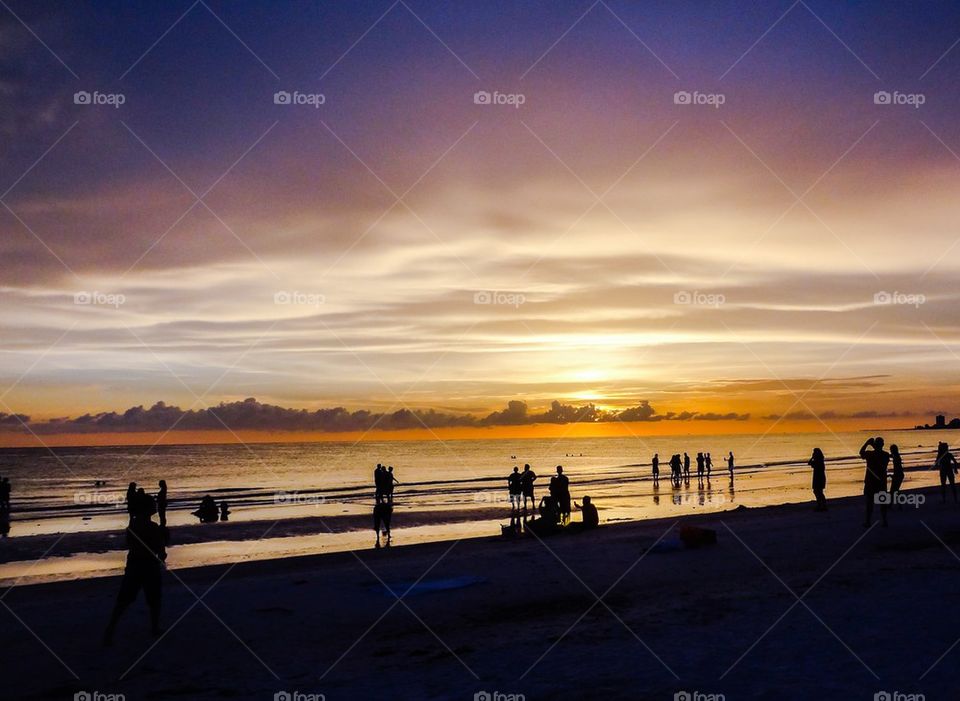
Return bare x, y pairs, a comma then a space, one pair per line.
792, 252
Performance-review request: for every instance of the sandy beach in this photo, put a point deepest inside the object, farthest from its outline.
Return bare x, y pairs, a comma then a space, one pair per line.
788, 604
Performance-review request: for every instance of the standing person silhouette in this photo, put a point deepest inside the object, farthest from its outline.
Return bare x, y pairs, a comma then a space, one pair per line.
676, 469
686, 466
389, 481
527, 478
131, 499
730, 465
515, 489
655, 463
162, 503
146, 552
947, 464
560, 491
874, 478
700, 466
896, 477
819, 465
379, 483
5, 494
709, 462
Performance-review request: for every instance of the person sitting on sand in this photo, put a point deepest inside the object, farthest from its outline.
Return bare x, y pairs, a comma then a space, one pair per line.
896, 477
382, 514
207, 513
591, 518
550, 510
527, 478
818, 463
947, 465
514, 488
146, 552
875, 477
224, 511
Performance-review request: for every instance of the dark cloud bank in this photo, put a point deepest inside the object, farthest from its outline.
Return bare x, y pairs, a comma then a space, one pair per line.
253, 415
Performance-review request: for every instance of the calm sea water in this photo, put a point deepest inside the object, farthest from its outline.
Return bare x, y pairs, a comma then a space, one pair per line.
57, 490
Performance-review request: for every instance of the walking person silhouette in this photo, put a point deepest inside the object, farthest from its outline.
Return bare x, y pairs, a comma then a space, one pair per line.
875, 478
818, 463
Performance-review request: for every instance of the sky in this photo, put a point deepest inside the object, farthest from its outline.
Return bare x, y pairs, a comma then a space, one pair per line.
745, 213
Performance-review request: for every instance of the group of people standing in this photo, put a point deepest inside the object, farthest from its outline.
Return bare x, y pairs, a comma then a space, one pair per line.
680, 467
554, 508
384, 482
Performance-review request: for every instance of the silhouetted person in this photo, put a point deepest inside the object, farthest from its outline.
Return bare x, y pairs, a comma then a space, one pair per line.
730, 465
379, 483
709, 463
527, 478
131, 499
4, 523
896, 477
146, 551
388, 483
947, 465
5, 494
162, 503
560, 491
819, 465
224, 511
875, 477
700, 465
207, 513
382, 514
515, 488
656, 467
675, 469
591, 518
686, 466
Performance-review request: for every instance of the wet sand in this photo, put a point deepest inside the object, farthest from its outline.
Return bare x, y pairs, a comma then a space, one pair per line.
522, 617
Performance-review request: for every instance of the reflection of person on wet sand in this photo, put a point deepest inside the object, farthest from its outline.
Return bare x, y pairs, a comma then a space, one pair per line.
875, 477
146, 543
382, 514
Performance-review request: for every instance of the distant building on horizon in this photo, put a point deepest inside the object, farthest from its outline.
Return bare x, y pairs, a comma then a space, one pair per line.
941, 421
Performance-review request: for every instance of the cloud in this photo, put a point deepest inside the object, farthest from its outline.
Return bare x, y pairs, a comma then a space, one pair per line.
251, 414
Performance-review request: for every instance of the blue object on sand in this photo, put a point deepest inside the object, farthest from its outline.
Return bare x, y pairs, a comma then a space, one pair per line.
428, 586
668, 545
